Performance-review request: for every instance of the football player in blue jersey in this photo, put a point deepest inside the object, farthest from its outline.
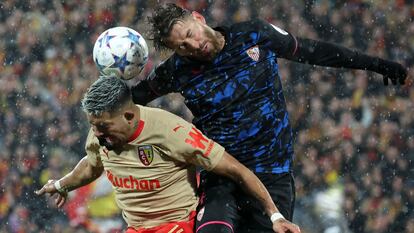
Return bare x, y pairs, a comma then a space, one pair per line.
230, 81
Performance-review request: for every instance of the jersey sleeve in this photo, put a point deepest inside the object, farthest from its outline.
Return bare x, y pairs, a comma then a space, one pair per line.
314, 52
92, 149
277, 39
185, 143
158, 83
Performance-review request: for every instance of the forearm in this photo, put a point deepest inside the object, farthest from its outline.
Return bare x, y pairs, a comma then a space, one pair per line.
252, 185
83, 174
233, 169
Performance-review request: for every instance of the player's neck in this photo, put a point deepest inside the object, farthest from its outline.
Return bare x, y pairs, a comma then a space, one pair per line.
221, 39
135, 121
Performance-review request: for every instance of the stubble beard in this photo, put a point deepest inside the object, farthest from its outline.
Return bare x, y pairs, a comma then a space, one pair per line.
217, 39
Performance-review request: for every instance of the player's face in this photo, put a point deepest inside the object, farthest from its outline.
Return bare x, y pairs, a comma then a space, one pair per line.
193, 38
112, 131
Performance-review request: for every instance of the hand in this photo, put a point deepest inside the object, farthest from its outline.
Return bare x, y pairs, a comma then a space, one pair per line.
283, 225
394, 71
50, 188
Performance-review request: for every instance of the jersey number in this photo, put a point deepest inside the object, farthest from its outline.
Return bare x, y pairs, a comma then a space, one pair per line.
196, 139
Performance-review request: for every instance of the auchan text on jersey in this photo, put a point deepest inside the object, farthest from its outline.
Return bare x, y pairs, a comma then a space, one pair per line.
132, 183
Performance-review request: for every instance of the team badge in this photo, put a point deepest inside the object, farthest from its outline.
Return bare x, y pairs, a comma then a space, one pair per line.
254, 53
145, 154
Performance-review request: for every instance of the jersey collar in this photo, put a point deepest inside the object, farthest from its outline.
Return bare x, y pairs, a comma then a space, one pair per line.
138, 131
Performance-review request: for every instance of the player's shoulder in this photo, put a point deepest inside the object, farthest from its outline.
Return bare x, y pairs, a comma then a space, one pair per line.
153, 113
254, 24
92, 142
168, 66
160, 119
147, 110
91, 137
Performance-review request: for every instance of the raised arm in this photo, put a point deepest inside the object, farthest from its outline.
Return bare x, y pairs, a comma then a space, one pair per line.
333, 55
327, 54
83, 174
228, 166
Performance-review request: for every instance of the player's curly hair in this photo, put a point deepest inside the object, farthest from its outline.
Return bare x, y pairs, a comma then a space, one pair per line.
107, 94
162, 20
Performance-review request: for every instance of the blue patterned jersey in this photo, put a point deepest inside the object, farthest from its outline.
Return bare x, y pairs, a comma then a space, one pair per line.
237, 99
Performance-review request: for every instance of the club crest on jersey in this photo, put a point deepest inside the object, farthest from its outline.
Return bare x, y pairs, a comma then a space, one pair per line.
145, 154
254, 53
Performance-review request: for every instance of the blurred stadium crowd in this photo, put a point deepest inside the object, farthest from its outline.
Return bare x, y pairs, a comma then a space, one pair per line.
354, 137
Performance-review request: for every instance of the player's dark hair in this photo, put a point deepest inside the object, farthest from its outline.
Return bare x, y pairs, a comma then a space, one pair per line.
162, 20
107, 94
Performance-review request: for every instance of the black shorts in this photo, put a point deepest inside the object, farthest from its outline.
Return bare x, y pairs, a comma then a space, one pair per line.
225, 208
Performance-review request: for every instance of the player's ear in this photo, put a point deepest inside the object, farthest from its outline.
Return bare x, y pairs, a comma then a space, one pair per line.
199, 17
128, 115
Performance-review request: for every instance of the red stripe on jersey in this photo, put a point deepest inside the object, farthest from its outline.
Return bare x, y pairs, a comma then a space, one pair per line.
137, 131
176, 128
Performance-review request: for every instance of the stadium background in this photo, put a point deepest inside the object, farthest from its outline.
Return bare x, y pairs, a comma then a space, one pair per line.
354, 137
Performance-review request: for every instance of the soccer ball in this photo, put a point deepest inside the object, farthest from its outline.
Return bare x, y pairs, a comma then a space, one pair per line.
121, 52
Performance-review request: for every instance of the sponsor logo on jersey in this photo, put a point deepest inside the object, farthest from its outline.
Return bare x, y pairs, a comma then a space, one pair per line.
132, 182
145, 154
254, 53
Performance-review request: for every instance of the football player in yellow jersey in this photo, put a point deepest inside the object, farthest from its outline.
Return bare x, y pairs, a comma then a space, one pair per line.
150, 157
